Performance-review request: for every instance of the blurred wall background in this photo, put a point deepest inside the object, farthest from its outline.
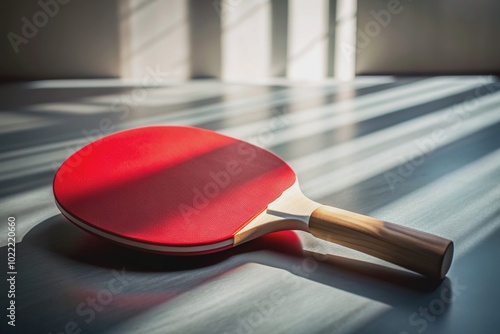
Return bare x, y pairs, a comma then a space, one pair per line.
247, 40
428, 37
51, 39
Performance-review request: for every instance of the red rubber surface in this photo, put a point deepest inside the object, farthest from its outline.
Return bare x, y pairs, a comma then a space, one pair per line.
170, 185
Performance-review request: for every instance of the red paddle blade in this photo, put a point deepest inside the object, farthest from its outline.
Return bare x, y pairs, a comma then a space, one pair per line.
169, 188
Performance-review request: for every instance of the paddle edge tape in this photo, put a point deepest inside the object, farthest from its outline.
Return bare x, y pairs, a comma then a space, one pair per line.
184, 241
109, 234
154, 248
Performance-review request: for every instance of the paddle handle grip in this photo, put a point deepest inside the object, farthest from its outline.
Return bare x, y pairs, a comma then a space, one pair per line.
421, 252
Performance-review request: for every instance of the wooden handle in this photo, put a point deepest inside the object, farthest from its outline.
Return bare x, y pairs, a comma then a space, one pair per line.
421, 252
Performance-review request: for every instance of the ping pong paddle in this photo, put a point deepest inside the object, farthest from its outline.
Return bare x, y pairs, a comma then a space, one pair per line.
185, 191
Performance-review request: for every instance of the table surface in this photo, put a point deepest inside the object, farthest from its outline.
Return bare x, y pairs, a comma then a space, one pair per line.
422, 152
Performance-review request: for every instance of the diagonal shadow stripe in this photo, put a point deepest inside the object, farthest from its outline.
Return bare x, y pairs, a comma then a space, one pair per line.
375, 193
328, 98
317, 142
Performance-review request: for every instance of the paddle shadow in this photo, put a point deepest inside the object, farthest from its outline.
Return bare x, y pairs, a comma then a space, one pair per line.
61, 266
